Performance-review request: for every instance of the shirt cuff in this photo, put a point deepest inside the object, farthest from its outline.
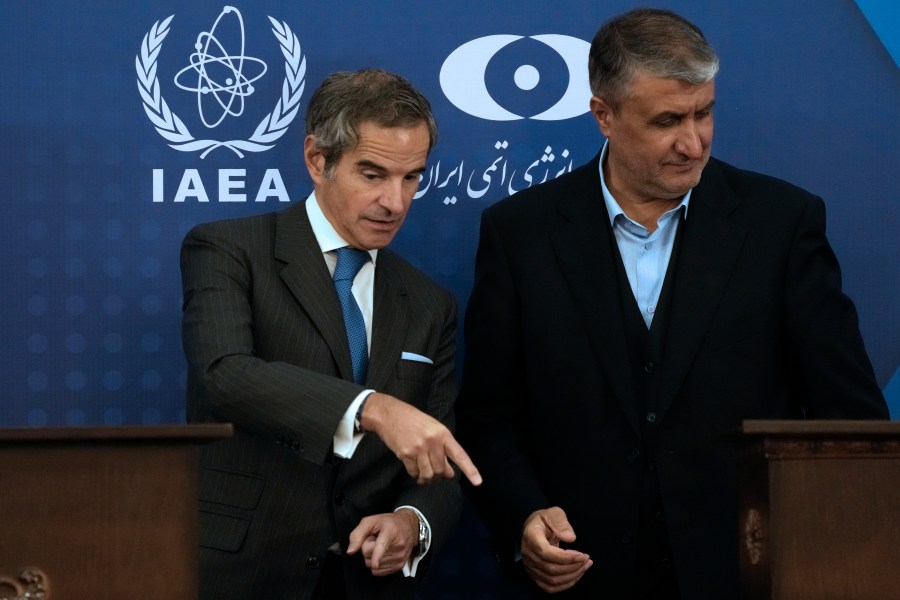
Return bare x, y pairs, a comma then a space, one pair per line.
409, 569
345, 438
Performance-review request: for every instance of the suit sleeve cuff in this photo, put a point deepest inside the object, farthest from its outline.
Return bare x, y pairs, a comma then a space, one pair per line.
409, 569
345, 438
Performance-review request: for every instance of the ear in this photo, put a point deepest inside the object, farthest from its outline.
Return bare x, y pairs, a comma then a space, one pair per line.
603, 114
315, 160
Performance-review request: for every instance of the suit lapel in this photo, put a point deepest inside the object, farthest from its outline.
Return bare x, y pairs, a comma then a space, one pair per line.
306, 275
709, 251
583, 248
389, 321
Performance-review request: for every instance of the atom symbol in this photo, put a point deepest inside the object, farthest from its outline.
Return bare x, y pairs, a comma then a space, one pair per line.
212, 69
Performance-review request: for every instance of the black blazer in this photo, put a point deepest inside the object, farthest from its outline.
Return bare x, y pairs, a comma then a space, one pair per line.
758, 329
267, 350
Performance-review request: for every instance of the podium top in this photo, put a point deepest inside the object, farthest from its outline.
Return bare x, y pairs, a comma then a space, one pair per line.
194, 433
820, 428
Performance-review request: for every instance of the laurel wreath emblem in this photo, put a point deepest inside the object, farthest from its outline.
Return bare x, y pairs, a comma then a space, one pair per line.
169, 126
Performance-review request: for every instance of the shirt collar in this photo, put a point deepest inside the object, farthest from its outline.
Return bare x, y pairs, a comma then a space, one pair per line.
326, 236
613, 208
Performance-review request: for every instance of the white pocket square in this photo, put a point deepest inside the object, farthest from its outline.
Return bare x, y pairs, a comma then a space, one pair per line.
415, 357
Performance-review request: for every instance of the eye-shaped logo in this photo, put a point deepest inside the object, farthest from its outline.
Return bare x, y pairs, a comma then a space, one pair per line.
464, 77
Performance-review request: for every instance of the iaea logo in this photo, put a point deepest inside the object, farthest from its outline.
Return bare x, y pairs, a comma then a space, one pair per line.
223, 81
463, 77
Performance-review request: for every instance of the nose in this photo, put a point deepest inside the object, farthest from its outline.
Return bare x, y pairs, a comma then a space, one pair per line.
391, 197
690, 140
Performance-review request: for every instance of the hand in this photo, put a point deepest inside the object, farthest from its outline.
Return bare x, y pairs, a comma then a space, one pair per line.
420, 441
552, 568
386, 540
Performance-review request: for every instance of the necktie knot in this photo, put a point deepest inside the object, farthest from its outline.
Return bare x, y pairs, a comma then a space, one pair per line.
349, 262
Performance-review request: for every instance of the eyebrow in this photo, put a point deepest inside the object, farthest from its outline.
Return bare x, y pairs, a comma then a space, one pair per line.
669, 114
368, 164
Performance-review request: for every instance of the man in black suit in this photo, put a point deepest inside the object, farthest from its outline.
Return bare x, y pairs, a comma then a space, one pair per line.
303, 331
627, 314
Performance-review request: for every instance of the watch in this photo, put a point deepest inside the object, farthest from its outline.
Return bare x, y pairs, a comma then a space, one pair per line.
357, 420
420, 548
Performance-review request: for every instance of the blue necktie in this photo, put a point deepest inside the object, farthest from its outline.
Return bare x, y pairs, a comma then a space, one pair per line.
350, 261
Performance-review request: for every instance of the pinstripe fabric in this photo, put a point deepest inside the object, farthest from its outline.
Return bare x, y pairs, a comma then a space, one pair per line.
267, 350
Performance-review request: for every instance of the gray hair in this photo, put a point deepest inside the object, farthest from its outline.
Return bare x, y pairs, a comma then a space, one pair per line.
345, 100
657, 43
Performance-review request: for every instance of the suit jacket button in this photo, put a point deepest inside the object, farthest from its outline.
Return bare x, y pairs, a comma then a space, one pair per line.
626, 537
651, 417
339, 498
312, 562
649, 366
633, 456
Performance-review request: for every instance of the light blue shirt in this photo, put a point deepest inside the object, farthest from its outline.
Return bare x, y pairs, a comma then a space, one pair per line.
644, 254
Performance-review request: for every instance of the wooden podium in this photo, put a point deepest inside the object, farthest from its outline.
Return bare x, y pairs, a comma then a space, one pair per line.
820, 510
100, 513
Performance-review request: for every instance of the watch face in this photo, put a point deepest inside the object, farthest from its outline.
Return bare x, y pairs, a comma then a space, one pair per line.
420, 548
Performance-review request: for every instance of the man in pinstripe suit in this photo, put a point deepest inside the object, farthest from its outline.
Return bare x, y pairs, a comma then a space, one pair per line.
303, 502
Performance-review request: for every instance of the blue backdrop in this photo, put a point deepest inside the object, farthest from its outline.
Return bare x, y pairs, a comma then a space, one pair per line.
108, 159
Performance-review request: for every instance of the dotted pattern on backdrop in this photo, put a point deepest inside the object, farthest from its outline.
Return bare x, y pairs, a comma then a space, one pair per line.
120, 329
96, 311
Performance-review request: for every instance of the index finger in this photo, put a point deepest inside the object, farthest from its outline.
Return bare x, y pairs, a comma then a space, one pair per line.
535, 543
358, 536
538, 549
549, 525
381, 544
459, 456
